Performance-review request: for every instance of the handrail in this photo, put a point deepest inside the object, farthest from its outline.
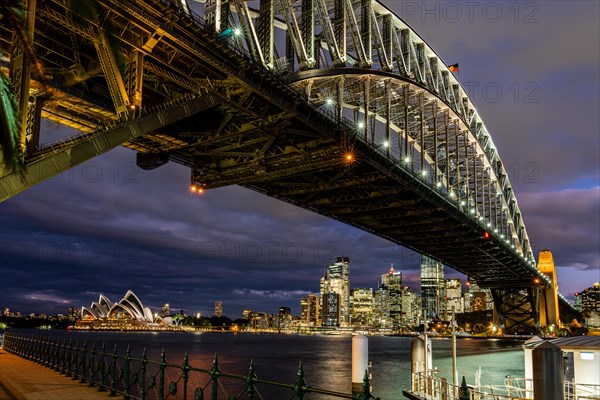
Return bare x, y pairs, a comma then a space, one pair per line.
431, 387
141, 378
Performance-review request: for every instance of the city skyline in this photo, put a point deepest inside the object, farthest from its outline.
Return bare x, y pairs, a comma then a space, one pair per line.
71, 236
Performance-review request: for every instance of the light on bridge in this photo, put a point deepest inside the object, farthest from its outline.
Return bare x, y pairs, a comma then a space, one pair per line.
196, 189
386, 144
329, 101
349, 157
424, 173
237, 31
406, 160
486, 235
361, 125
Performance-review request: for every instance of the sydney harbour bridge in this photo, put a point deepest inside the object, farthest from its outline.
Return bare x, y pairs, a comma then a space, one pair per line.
336, 106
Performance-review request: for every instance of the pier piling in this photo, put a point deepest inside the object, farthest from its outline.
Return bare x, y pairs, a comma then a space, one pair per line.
360, 361
548, 372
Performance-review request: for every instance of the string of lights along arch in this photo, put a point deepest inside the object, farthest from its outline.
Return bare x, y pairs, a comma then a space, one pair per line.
336, 106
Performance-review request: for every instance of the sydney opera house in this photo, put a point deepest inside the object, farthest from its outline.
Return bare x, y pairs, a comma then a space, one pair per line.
127, 314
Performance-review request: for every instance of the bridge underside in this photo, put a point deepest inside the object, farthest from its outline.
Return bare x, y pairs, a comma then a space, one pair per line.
249, 126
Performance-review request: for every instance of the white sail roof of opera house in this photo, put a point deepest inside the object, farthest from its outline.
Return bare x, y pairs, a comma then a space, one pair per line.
129, 307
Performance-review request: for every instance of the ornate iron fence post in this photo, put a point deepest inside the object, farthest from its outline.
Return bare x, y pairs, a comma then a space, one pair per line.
44, 353
51, 354
185, 367
76, 361
143, 379
93, 365
63, 352
69, 359
250, 380
83, 362
102, 385
55, 353
113, 373
300, 386
215, 373
127, 373
161, 375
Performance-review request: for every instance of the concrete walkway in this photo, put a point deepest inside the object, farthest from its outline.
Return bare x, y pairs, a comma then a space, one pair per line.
22, 379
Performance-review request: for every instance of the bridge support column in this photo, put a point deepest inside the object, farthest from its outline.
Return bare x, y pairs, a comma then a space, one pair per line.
516, 310
34, 119
20, 68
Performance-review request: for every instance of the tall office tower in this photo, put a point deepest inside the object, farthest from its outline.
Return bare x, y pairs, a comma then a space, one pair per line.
362, 306
432, 287
590, 304
309, 310
453, 298
382, 307
393, 281
477, 299
337, 280
590, 298
411, 309
284, 318
218, 308
331, 309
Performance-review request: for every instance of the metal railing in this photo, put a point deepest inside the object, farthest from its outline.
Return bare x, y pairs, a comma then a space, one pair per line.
142, 378
428, 386
581, 391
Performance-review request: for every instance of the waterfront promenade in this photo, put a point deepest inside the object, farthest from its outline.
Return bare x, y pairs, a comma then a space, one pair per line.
22, 379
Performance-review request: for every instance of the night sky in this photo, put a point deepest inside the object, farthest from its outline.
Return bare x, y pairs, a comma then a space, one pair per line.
107, 226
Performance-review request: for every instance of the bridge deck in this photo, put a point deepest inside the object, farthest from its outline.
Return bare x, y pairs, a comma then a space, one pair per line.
22, 379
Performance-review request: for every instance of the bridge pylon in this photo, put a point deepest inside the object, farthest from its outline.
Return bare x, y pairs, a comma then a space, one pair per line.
548, 298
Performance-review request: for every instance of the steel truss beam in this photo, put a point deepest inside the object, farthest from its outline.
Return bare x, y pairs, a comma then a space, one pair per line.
517, 309
68, 154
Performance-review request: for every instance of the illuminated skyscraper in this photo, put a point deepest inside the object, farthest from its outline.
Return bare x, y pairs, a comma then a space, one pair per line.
309, 310
432, 287
337, 280
382, 307
218, 308
411, 308
477, 299
453, 298
393, 281
590, 298
331, 309
362, 305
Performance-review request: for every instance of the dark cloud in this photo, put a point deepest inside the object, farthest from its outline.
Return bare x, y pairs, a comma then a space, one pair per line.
107, 226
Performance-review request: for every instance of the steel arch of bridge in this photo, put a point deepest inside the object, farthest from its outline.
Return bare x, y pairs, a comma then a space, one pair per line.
356, 57
352, 62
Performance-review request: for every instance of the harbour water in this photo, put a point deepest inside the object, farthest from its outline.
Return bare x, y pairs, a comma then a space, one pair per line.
326, 358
